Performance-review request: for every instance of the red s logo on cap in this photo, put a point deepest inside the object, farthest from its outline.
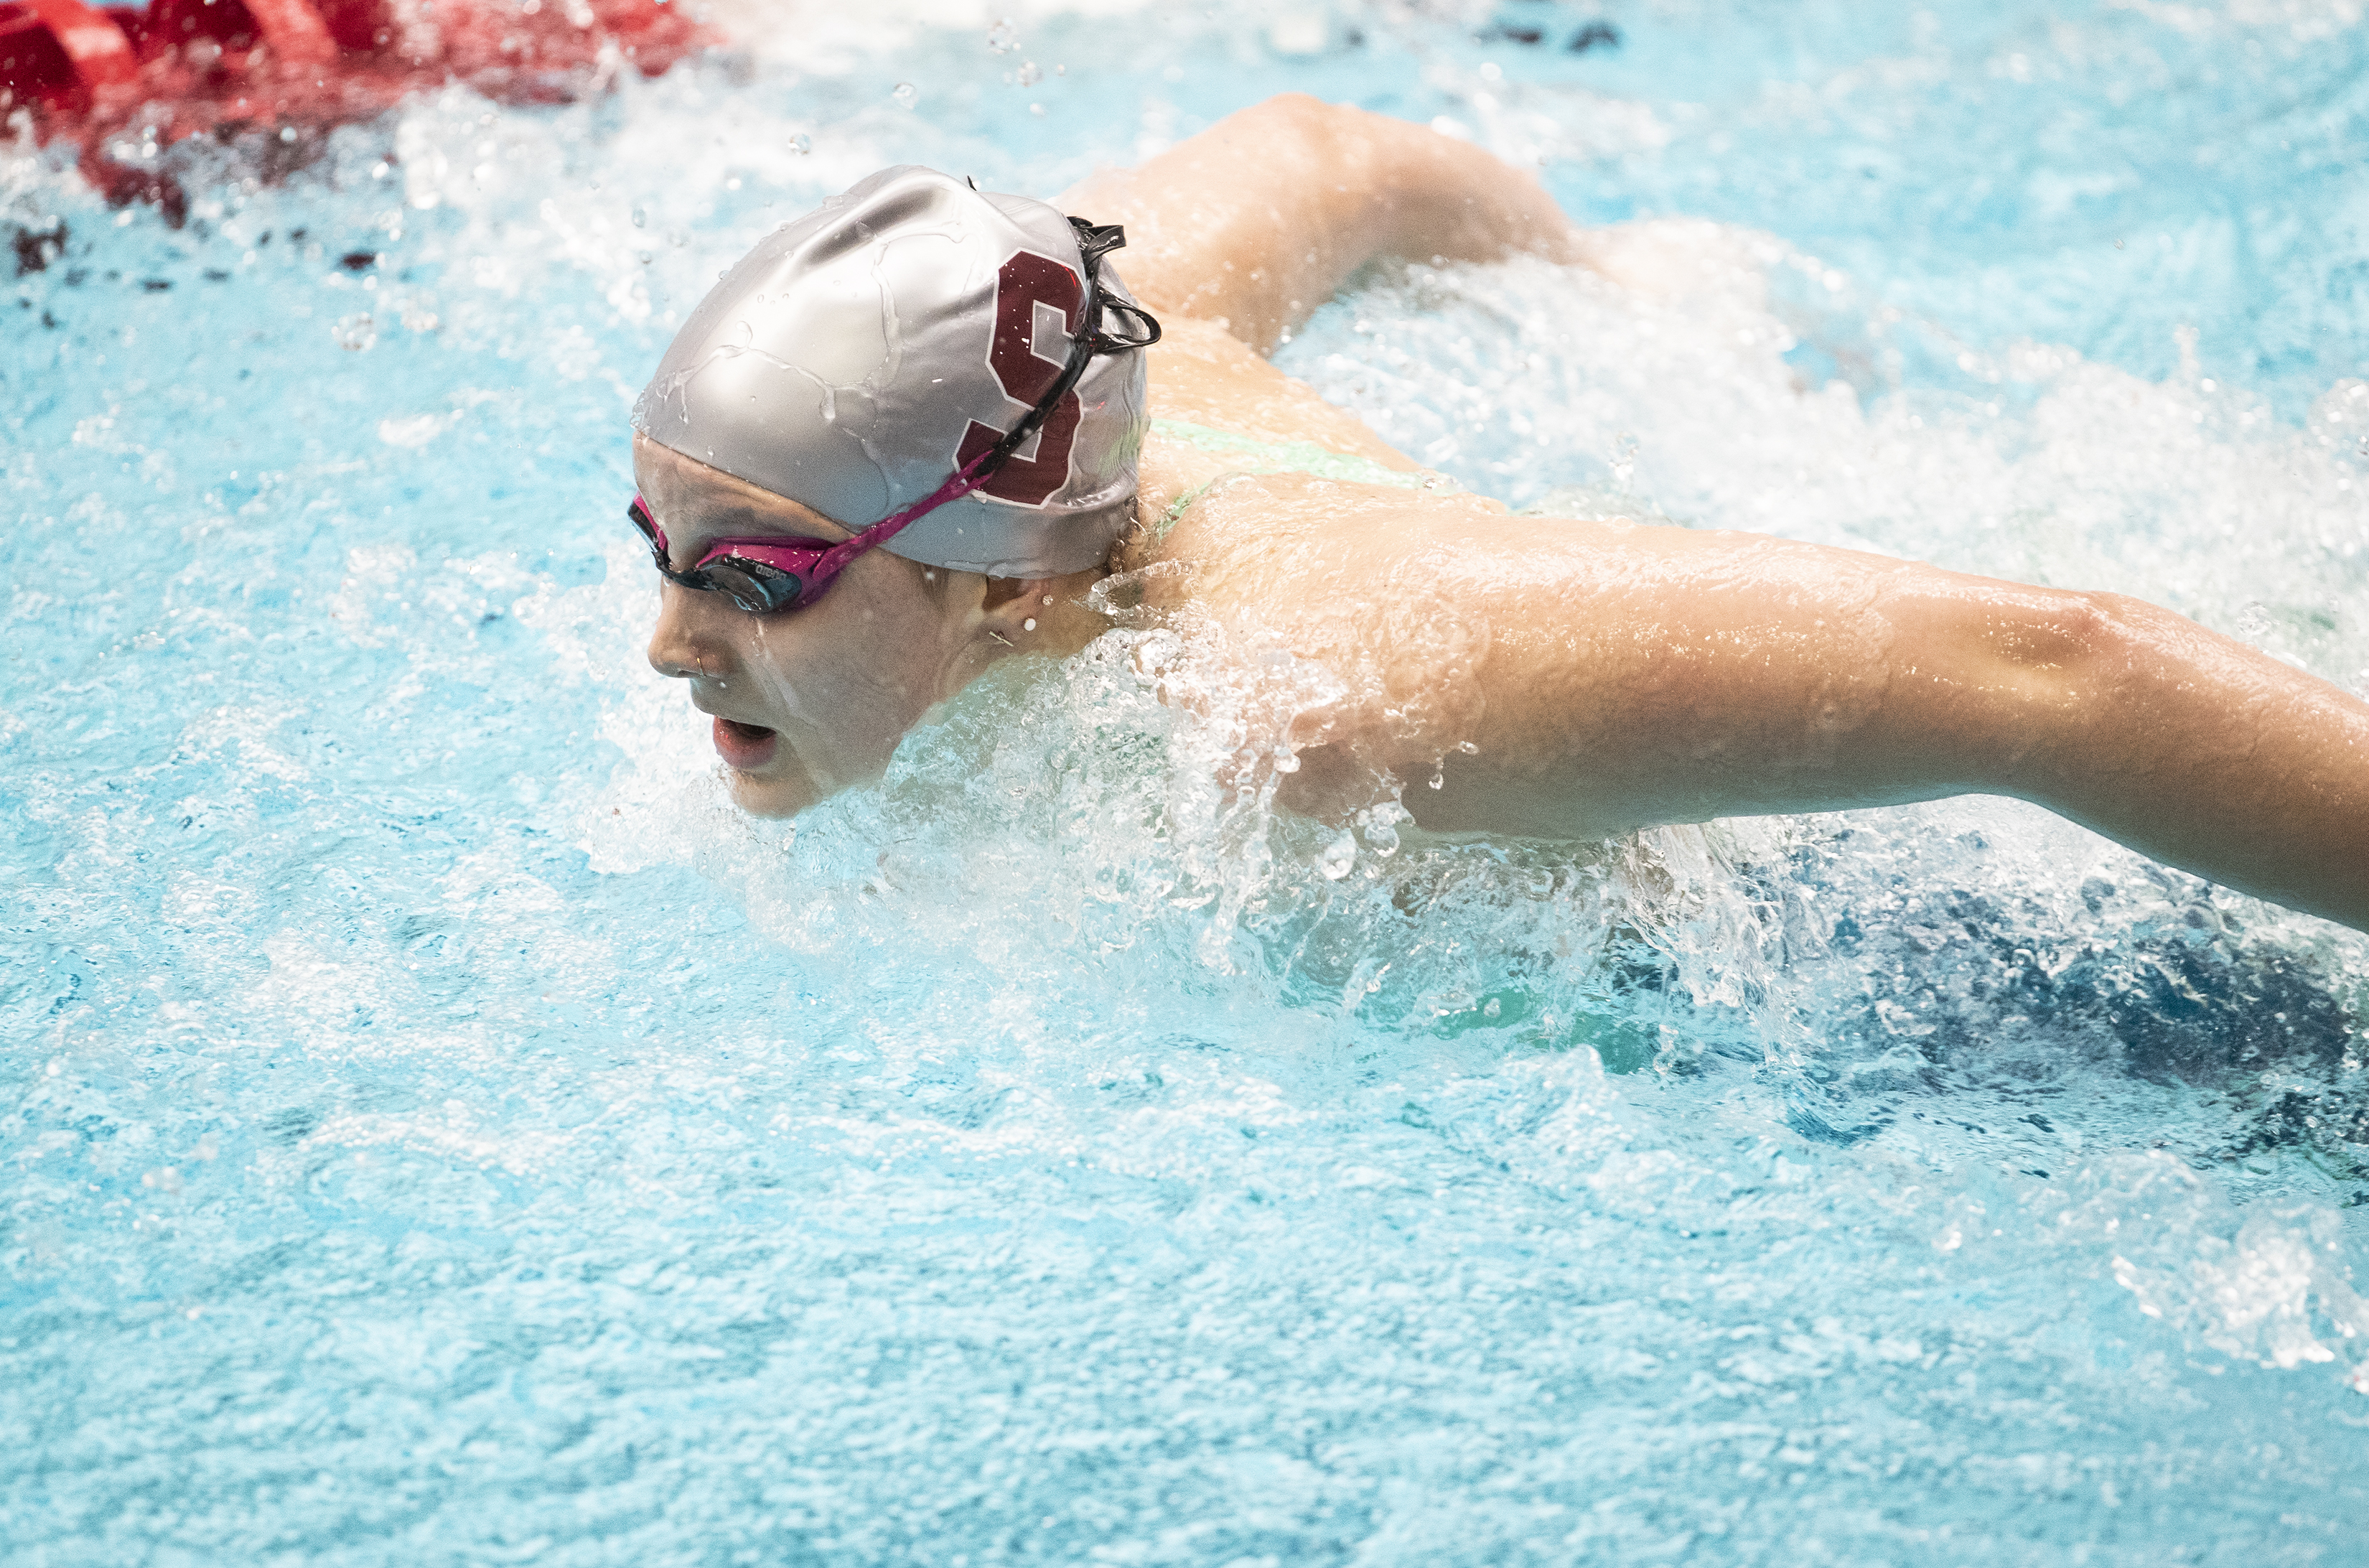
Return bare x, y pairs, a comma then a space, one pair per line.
1022, 284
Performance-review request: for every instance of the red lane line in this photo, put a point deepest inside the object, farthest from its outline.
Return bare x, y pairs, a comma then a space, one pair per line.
97, 46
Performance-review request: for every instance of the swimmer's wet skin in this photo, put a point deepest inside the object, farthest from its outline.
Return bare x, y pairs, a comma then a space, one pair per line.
1565, 679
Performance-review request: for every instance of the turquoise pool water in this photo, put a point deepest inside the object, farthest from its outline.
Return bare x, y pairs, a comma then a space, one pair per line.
438, 1130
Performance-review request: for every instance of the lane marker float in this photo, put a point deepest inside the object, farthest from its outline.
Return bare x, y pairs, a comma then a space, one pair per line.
126, 84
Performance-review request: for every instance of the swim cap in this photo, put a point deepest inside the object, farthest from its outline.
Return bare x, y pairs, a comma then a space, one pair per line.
860, 355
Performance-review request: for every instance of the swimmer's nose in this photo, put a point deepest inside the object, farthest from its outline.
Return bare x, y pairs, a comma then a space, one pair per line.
676, 650
674, 668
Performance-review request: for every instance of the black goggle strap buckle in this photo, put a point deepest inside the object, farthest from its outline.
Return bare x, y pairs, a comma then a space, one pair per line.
1089, 343
1094, 242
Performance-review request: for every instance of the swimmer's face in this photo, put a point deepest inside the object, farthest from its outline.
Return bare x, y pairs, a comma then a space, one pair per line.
810, 701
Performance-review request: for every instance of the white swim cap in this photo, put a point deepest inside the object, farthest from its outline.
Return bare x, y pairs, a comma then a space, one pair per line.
864, 353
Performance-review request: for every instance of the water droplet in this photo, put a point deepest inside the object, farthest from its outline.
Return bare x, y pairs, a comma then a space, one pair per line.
1338, 857
1029, 625
1003, 37
907, 95
801, 144
1438, 775
641, 218
1029, 75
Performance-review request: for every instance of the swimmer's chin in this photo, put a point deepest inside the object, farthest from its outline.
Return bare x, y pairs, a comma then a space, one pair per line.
782, 789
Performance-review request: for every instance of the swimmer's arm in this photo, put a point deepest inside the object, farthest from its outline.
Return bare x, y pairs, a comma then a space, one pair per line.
2191, 748
1634, 677
1257, 220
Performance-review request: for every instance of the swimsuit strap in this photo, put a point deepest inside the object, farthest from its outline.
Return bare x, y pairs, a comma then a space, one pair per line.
1251, 455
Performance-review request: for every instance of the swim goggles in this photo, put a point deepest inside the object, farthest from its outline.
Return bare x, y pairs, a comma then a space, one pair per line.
769, 574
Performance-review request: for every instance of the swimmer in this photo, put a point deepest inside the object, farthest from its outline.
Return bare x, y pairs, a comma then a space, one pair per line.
926, 428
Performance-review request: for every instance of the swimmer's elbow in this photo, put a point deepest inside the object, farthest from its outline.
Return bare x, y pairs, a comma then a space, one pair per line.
2064, 643
1300, 110
2008, 680
2065, 664
1339, 141
1290, 118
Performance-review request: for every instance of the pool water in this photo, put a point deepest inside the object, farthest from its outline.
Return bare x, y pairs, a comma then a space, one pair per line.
438, 1129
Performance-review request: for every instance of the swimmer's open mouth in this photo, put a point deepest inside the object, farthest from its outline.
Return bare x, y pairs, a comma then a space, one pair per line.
744, 746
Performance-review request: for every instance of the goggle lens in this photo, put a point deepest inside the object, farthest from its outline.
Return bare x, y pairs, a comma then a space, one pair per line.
755, 587
758, 587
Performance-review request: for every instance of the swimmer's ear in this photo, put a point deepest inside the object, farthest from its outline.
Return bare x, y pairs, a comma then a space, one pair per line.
1015, 610
1001, 590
